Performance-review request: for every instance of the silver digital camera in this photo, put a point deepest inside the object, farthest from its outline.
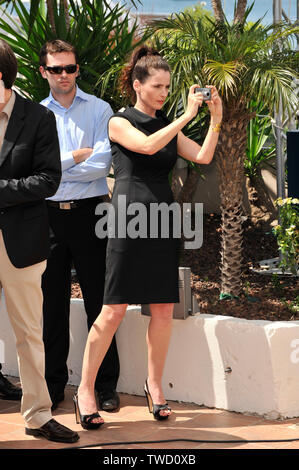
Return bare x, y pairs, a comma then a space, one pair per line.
206, 93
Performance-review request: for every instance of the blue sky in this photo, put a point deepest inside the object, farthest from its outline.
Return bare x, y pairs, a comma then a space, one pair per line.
260, 8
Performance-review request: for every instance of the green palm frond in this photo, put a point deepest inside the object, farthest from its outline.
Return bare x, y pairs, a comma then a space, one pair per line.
248, 61
272, 83
225, 76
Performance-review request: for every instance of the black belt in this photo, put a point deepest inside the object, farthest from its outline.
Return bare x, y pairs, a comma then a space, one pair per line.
67, 205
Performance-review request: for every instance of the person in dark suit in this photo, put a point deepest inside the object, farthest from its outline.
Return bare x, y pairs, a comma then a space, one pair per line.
30, 171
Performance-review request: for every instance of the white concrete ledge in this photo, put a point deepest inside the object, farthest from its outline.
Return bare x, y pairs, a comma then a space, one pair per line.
218, 361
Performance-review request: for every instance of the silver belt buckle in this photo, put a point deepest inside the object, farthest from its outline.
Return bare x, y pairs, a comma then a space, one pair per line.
64, 205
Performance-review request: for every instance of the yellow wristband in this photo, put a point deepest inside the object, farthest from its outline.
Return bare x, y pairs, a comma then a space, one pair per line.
217, 127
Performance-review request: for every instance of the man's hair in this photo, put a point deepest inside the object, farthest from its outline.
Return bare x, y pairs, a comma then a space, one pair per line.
54, 46
8, 64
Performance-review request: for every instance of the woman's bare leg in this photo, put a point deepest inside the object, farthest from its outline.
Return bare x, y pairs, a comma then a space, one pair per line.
98, 342
158, 337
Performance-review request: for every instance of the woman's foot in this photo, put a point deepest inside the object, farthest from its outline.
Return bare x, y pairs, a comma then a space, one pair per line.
88, 406
155, 394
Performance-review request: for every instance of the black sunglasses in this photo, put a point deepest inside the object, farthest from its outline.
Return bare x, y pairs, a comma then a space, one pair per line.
58, 69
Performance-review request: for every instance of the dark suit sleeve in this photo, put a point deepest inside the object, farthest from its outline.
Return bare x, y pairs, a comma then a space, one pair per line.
46, 168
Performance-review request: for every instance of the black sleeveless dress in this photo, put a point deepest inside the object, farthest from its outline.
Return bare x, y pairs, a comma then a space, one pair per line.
141, 262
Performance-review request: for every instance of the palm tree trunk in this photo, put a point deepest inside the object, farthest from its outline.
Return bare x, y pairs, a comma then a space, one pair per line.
218, 10
64, 5
230, 164
239, 14
240, 11
50, 14
50, 11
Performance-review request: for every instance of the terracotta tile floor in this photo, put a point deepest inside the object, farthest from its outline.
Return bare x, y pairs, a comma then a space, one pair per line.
132, 424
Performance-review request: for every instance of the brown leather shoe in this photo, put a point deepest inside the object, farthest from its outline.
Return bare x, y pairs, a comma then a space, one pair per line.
54, 431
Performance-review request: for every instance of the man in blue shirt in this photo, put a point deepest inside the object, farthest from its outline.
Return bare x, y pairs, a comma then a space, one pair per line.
86, 159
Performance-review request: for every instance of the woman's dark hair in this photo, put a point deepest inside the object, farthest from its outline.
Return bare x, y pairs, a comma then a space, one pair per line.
142, 60
8, 64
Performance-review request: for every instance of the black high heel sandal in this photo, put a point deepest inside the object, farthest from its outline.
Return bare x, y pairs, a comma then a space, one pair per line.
155, 409
85, 420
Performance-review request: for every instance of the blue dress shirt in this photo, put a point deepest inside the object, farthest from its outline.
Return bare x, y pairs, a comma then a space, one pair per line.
83, 124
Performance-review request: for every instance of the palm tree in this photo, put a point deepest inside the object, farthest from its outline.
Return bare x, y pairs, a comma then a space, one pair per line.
245, 65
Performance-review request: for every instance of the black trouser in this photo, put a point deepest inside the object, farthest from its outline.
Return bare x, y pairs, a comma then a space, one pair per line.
74, 243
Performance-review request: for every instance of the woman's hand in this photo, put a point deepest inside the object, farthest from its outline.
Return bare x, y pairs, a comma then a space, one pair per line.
189, 149
195, 100
215, 104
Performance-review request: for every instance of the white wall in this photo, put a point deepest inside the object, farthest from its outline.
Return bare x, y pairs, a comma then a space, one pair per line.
263, 358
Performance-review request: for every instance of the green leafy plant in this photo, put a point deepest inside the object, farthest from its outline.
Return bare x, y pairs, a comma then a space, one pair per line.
277, 284
102, 33
292, 305
259, 132
287, 233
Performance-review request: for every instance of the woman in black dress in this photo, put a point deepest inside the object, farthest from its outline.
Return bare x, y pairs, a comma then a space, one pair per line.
143, 269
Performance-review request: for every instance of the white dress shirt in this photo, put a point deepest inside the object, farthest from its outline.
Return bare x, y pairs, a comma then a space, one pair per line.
83, 124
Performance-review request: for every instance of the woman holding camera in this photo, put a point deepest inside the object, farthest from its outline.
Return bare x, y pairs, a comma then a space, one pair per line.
144, 147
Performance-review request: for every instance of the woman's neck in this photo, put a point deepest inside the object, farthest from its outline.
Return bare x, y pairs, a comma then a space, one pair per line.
145, 108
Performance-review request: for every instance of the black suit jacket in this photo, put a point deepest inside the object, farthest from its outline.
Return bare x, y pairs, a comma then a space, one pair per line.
30, 171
